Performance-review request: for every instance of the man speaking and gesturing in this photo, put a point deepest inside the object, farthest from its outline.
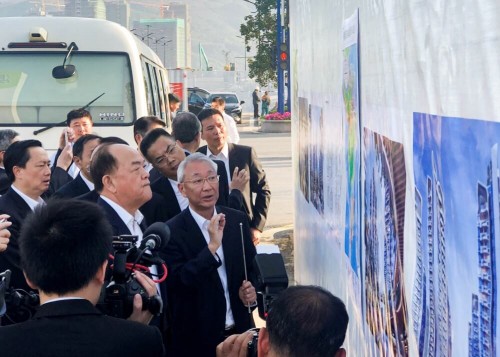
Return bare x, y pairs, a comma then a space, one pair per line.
210, 294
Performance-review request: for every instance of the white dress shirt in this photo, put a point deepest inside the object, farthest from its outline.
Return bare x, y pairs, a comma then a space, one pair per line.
224, 157
89, 184
232, 131
29, 201
183, 201
203, 224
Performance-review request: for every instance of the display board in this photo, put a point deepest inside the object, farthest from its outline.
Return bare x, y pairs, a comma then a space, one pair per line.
396, 116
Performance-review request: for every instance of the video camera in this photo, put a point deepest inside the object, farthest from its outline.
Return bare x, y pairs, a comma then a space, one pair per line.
17, 305
117, 294
272, 279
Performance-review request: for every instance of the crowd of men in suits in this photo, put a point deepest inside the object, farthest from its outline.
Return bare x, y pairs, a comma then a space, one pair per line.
204, 194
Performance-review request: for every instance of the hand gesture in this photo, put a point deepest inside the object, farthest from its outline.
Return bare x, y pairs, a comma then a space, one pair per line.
4, 233
240, 179
215, 231
66, 157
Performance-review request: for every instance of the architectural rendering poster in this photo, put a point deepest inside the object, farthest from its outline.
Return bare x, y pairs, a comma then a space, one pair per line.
317, 153
385, 309
350, 93
304, 147
455, 296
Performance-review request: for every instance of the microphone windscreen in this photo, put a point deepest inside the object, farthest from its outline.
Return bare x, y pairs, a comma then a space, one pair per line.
161, 230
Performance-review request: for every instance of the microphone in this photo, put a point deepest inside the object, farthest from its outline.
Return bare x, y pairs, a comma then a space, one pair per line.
155, 237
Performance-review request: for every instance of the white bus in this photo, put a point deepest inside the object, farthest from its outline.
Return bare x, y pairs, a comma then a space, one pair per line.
51, 65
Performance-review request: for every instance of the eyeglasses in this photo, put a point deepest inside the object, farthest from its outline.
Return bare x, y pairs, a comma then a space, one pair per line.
161, 160
201, 181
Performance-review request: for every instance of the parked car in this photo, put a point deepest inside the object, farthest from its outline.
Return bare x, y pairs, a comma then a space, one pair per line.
197, 98
233, 104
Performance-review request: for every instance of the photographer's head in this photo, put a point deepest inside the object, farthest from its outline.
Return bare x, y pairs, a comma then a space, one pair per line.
304, 321
64, 246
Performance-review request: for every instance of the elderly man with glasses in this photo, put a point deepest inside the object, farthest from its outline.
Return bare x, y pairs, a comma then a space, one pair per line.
162, 151
210, 257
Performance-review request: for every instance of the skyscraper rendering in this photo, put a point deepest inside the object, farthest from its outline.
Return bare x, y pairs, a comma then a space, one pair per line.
431, 306
482, 328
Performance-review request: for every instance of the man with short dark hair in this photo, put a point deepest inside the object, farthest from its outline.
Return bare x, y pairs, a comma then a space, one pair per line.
174, 103
161, 149
186, 128
232, 131
7, 137
142, 126
78, 123
64, 250
210, 294
242, 157
82, 184
303, 321
28, 168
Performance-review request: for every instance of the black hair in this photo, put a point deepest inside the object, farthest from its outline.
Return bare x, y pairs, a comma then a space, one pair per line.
77, 114
63, 244
17, 154
80, 143
219, 100
207, 113
142, 125
173, 98
102, 163
113, 140
151, 138
6, 137
307, 321
185, 127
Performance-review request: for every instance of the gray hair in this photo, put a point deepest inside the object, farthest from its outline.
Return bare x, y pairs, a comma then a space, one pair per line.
196, 157
6, 137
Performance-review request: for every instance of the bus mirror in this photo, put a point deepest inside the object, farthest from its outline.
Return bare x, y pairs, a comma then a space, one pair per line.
62, 72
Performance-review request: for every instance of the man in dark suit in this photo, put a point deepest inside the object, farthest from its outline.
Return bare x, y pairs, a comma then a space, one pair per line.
28, 168
82, 151
65, 258
210, 293
161, 149
303, 321
123, 185
242, 157
142, 126
7, 137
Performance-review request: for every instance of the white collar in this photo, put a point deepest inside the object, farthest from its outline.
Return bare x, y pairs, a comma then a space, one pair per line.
200, 221
224, 151
89, 184
122, 213
29, 201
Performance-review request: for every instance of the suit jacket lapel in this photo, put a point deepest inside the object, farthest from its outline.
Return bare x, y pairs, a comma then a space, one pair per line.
116, 222
231, 158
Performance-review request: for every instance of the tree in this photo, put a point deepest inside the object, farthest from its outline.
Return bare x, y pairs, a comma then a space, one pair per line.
260, 28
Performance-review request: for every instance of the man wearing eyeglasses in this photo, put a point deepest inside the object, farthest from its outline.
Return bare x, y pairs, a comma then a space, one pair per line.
210, 258
161, 149
214, 131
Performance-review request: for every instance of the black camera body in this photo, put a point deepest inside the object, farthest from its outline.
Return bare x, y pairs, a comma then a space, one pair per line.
271, 280
117, 294
17, 305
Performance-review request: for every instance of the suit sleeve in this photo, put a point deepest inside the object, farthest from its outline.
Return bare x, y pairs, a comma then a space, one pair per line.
260, 186
187, 272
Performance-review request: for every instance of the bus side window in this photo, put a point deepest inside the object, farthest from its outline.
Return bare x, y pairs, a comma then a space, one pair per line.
154, 88
161, 93
147, 86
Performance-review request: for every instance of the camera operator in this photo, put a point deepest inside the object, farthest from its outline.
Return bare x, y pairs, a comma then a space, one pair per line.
4, 232
64, 247
303, 321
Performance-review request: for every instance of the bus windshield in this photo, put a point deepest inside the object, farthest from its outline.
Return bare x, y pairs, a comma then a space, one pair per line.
30, 95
